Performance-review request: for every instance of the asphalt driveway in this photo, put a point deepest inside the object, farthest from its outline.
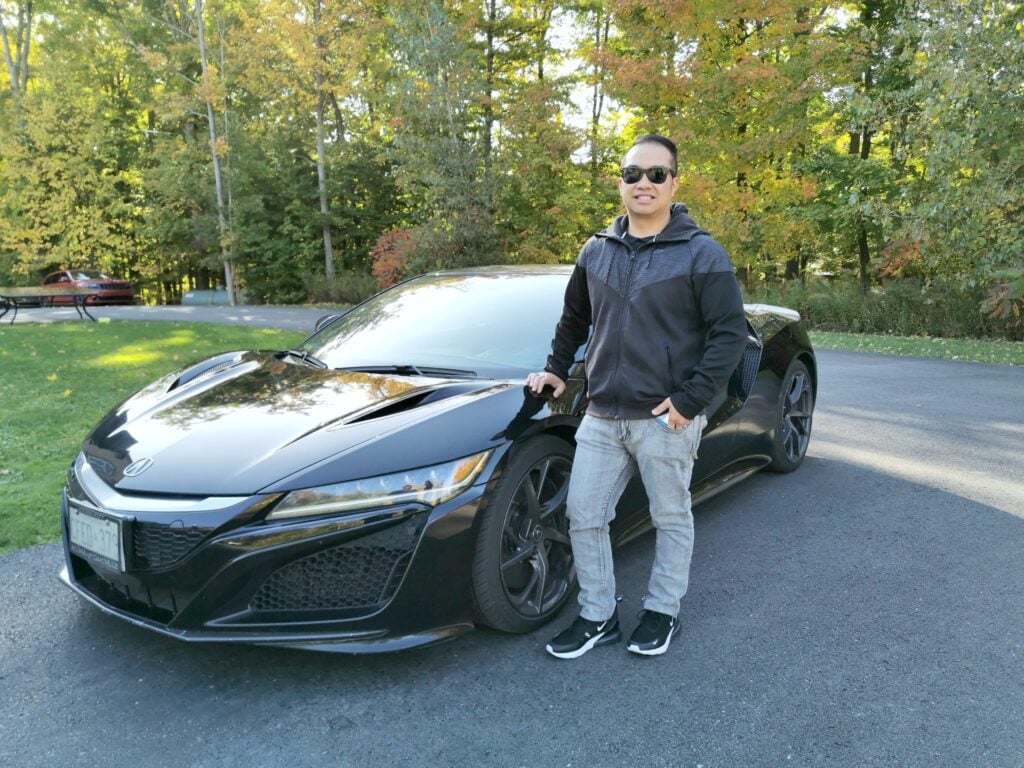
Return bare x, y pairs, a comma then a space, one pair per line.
867, 610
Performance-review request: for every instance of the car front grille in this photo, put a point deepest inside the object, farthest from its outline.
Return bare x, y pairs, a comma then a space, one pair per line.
362, 573
128, 594
157, 546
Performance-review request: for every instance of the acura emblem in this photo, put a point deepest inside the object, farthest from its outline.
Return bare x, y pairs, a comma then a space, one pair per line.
137, 467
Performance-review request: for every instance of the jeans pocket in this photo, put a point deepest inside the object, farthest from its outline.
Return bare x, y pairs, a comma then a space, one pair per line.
661, 422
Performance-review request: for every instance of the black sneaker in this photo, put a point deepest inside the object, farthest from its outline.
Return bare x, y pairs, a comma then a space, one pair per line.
653, 634
582, 635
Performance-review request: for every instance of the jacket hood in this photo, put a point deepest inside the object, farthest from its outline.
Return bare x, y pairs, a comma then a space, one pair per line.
680, 226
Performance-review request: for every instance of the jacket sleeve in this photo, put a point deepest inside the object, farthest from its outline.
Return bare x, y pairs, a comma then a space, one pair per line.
573, 327
718, 297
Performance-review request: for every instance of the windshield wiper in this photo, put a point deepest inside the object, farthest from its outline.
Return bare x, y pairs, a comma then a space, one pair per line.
409, 370
302, 355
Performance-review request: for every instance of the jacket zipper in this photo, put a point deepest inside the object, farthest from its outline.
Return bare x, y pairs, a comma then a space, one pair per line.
625, 309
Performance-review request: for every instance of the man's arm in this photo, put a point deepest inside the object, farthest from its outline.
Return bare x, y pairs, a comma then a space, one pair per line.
721, 308
573, 327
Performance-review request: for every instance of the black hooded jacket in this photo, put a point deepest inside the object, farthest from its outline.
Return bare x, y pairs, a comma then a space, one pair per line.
667, 320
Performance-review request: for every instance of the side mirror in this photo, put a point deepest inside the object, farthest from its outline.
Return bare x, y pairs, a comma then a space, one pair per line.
324, 321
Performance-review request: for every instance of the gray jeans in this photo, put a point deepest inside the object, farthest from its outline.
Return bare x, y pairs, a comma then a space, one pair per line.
608, 453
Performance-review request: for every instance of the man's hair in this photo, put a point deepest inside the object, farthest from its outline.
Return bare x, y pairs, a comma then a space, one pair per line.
657, 138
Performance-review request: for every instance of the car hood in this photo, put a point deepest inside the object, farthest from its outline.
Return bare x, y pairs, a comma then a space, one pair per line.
248, 422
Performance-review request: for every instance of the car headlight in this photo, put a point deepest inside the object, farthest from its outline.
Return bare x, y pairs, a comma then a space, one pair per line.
427, 485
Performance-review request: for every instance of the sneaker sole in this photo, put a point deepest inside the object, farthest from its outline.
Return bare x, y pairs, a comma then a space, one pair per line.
657, 651
606, 638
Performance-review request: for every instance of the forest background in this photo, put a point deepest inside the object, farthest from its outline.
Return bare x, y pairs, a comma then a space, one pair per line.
861, 161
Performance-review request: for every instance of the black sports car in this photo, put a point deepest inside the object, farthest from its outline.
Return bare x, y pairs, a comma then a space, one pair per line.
389, 483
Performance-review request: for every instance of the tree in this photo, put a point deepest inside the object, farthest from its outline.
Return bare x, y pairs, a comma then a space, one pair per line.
735, 84
966, 215
69, 185
437, 131
876, 107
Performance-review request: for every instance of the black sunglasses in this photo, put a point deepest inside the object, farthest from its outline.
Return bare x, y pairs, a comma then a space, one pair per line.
657, 174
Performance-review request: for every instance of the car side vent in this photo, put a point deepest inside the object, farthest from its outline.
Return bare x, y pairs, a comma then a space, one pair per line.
741, 383
414, 400
404, 404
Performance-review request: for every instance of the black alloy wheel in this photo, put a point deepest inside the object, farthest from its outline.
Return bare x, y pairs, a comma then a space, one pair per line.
796, 411
523, 568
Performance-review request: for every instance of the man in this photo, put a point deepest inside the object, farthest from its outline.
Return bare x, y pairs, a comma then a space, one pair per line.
668, 330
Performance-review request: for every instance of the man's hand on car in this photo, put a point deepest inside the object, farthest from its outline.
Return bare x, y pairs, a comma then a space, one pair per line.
537, 381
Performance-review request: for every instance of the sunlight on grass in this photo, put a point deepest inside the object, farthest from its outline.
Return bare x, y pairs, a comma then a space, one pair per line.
973, 350
140, 354
127, 357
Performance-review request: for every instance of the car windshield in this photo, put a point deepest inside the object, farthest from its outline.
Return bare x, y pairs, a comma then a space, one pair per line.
88, 276
487, 324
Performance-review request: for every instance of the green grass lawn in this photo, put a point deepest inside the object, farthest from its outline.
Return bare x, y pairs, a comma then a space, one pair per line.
57, 381
979, 351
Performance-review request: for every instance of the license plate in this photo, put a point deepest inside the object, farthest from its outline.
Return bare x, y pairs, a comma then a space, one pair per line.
95, 537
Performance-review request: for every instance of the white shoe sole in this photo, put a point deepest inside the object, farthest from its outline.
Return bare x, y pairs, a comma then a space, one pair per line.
654, 651
605, 638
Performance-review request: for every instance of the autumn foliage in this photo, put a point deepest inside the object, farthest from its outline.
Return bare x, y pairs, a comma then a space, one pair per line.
390, 255
867, 142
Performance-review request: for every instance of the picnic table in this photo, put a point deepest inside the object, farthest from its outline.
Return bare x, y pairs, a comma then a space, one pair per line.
15, 298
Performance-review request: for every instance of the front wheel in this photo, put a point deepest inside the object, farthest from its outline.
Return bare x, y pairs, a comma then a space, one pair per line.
523, 567
793, 424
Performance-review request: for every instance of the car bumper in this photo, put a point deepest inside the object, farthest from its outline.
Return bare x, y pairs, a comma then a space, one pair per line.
379, 581
371, 641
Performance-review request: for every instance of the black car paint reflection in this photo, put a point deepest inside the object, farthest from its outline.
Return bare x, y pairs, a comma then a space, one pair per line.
422, 375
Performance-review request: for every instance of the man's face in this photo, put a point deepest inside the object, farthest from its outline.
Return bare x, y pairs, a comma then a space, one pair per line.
646, 199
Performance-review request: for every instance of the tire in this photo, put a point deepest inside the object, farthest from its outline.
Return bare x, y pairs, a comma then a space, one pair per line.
792, 432
523, 569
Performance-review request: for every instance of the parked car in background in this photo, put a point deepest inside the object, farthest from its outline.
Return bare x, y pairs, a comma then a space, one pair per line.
109, 290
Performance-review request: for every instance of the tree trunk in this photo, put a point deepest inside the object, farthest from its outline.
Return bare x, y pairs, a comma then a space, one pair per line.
542, 41
229, 272
16, 57
863, 252
602, 24
860, 145
227, 133
792, 269
12, 70
492, 20
321, 154
865, 257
